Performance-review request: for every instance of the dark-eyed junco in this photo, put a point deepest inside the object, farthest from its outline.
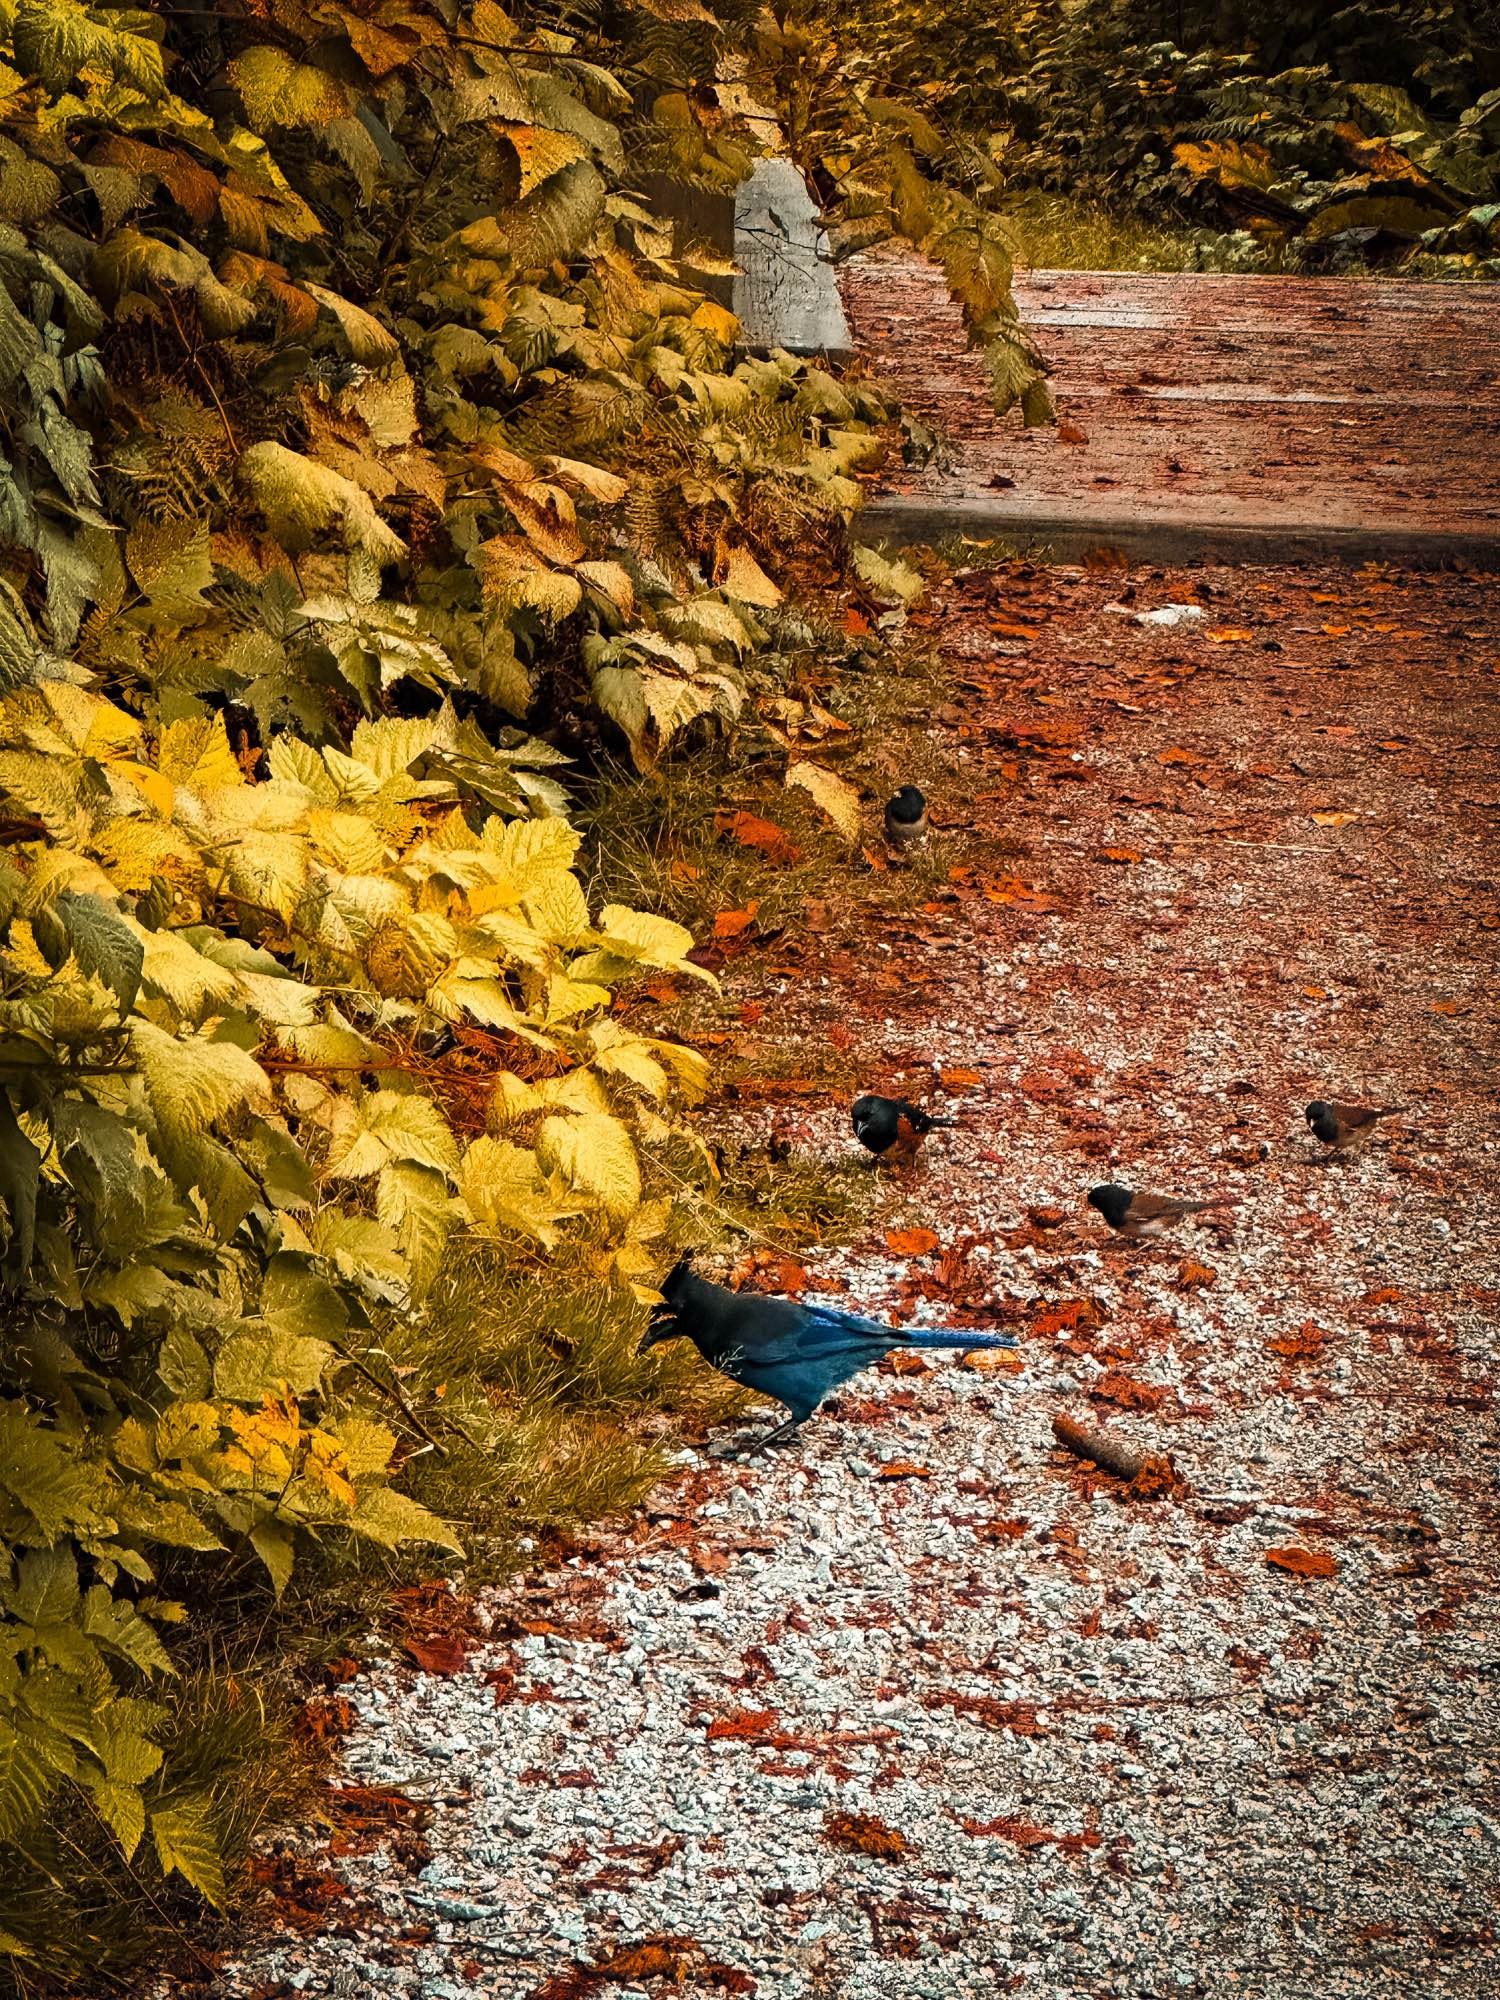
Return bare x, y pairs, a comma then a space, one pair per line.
906, 817
1145, 1214
1340, 1125
892, 1128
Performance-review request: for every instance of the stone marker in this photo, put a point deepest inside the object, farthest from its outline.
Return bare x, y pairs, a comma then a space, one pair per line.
785, 295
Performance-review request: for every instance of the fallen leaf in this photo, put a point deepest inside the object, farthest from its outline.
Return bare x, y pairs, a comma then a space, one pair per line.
683, 871
752, 1011
1334, 818
901, 1361
1316, 992
743, 577
1071, 433
992, 1361
903, 1468
1226, 634
1121, 856
730, 923
832, 796
1303, 1562
911, 1242
750, 830
840, 1036
768, 1271
1192, 1276
1177, 756
862, 1833
960, 1079
875, 861
443, 1653
1447, 1007
1008, 628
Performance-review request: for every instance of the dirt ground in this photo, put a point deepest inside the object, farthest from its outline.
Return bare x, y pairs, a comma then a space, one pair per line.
929, 1707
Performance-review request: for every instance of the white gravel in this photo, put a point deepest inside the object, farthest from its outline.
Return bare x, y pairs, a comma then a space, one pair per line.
1211, 1778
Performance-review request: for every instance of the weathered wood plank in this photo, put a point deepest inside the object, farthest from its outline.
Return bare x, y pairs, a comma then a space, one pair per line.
1256, 419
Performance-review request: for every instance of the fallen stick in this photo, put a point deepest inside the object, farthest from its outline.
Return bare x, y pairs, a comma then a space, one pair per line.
1104, 1452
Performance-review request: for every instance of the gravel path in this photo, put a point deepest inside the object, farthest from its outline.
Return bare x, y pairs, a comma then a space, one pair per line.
927, 1707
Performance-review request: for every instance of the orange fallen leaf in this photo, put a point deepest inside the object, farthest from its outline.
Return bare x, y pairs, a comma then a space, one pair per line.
903, 1468
993, 1361
752, 1011
1176, 756
750, 830
684, 871
1316, 992
901, 1361
1121, 856
960, 1079
1334, 818
1224, 634
1071, 433
1303, 1562
840, 1036
730, 923
911, 1242
1193, 1276
1009, 628
875, 860
862, 1833
1447, 1007
444, 1653
1336, 631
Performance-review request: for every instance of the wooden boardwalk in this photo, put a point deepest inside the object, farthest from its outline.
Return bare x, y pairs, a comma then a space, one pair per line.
1206, 418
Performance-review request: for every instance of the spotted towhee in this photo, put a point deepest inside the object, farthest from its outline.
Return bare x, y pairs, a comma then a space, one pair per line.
892, 1128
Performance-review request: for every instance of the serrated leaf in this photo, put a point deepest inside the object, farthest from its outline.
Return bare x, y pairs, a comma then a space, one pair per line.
413, 1203
187, 1841
272, 1542
258, 1360
192, 1082
595, 1155
888, 577
383, 1515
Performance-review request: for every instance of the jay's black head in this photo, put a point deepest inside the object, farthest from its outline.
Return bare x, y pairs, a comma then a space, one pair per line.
1112, 1201
907, 807
664, 1324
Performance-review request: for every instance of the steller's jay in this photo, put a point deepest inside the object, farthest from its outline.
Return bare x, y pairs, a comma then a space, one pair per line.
793, 1352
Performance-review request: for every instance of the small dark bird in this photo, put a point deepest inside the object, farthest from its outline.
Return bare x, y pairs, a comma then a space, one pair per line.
1340, 1125
1145, 1214
792, 1352
892, 1128
906, 818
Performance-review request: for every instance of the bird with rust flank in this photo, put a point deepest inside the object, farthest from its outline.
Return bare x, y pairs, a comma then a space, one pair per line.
1135, 1215
794, 1353
906, 818
1339, 1126
892, 1128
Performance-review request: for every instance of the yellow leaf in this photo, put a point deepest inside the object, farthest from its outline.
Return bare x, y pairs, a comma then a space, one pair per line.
838, 800
744, 578
595, 1156
196, 754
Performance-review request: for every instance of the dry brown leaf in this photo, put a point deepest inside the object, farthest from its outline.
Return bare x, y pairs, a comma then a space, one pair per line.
832, 796
750, 830
993, 1361
1303, 1562
911, 1242
730, 923
1071, 433
1192, 1276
